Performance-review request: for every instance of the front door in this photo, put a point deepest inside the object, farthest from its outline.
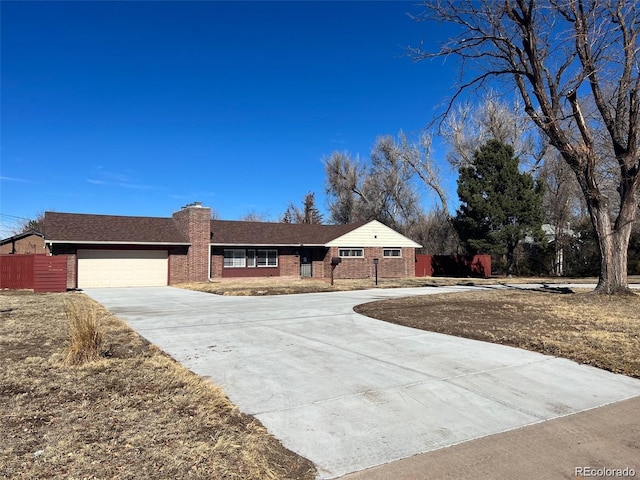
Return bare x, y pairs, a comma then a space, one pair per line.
306, 263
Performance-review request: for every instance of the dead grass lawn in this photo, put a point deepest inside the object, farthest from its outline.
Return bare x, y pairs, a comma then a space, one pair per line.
133, 414
287, 286
597, 330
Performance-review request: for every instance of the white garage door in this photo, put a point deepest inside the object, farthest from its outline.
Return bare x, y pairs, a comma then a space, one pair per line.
122, 268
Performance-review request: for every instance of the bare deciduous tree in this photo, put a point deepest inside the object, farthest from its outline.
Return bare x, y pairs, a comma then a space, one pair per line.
562, 205
383, 189
344, 182
563, 56
434, 231
390, 183
469, 125
255, 216
418, 156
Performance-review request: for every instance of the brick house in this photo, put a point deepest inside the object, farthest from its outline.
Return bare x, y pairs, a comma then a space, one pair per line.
108, 250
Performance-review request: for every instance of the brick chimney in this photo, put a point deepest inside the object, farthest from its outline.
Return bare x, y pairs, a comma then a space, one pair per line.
195, 221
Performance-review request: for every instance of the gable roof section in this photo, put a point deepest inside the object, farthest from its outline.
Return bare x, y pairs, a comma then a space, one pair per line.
229, 232
372, 234
112, 229
20, 236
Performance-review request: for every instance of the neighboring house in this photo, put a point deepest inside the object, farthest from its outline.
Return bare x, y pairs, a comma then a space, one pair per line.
106, 250
559, 237
30, 242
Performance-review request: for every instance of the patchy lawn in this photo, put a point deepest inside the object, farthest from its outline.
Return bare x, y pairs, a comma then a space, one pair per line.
287, 286
133, 414
597, 330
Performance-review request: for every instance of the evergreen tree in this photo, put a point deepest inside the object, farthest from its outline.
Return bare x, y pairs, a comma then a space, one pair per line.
308, 214
311, 212
33, 225
500, 205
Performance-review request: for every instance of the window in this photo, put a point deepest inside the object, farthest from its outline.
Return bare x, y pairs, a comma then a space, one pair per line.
241, 258
267, 258
235, 258
351, 252
392, 252
251, 258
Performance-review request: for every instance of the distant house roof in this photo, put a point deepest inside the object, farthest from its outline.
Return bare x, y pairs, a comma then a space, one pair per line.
20, 236
112, 229
230, 232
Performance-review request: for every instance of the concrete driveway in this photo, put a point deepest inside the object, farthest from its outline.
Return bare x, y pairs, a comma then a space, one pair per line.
349, 392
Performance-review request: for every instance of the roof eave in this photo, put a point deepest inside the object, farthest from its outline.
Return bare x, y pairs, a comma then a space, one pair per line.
224, 244
98, 242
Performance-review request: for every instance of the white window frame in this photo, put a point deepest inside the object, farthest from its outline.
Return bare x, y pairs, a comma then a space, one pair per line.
239, 258
350, 252
268, 255
394, 249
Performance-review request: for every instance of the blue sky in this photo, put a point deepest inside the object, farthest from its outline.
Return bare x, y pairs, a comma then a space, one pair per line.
138, 108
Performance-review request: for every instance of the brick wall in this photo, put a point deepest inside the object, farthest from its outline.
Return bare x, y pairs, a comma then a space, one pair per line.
288, 265
72, 270
289, 262
178, 265
195, 220
394, 267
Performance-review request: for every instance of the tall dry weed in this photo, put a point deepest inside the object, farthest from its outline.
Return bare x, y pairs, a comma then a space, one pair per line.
85, 332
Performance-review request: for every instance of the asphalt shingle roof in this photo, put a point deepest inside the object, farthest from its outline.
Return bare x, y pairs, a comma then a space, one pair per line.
80, 227
229, 232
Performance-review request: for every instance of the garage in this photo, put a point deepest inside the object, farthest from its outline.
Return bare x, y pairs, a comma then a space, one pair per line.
122, 268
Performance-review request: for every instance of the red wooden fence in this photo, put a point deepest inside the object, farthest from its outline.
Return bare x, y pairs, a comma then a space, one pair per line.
42, 273
50, 273
453, 266
16, 271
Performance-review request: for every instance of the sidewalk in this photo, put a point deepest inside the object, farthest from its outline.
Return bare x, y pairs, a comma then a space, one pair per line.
603, 438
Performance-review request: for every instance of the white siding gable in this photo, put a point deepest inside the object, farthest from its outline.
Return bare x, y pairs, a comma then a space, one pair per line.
372, 234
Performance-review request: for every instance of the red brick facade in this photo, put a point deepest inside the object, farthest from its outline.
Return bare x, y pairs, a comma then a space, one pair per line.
363, 267
72, 270
195, 220
349, 268
178, 265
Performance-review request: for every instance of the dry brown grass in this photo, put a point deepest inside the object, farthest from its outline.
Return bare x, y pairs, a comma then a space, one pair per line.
287, 286
85, 333
137, 414
597, 330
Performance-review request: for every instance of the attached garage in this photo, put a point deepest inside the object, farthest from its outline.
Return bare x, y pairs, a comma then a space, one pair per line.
122, 268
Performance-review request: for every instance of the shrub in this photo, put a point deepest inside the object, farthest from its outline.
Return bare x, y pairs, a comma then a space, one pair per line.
85, 333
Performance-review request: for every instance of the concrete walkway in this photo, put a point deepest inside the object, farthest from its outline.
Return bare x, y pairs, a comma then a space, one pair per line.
349, 392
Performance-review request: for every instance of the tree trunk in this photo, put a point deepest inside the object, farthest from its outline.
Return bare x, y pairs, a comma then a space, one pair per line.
613, 242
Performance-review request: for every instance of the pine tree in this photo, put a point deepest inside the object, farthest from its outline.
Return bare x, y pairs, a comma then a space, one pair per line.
311, 212
308, 214
500, 205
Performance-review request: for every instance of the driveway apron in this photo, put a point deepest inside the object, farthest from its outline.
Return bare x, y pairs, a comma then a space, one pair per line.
349, 392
